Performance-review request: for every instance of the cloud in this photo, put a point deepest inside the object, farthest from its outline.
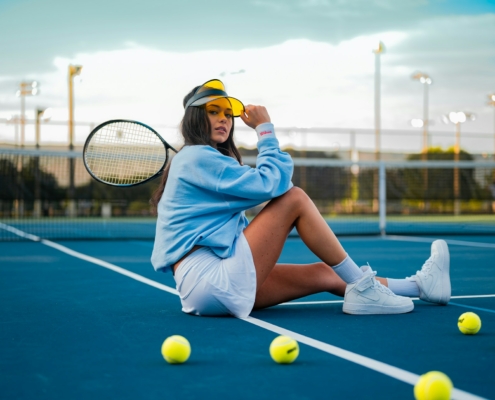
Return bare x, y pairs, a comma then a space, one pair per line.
58, 27
301, 82
149, 83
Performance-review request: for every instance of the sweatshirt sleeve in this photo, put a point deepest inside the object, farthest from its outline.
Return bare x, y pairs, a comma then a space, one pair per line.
271, 177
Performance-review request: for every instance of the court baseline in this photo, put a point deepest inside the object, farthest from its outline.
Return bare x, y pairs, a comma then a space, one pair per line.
430, 240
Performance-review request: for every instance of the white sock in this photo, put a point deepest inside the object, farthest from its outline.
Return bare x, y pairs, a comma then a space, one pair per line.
348, 271
403, 287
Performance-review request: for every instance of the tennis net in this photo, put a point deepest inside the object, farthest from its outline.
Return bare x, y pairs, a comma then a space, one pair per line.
51, 195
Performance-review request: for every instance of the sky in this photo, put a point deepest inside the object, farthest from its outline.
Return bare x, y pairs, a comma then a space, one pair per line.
310, 62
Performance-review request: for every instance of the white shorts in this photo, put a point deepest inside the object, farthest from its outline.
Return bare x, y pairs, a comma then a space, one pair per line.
212, 286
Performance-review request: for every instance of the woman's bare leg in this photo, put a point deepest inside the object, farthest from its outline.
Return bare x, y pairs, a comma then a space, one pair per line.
267, 233
292, 281
266, 236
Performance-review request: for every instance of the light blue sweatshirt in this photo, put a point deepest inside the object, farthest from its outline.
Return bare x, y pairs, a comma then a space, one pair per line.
207, 193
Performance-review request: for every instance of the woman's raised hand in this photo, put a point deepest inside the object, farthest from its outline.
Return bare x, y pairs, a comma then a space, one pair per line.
255, 115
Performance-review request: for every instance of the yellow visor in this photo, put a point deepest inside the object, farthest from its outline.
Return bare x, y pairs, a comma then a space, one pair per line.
213, 90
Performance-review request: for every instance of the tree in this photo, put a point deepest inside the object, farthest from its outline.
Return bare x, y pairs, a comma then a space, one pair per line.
438, 183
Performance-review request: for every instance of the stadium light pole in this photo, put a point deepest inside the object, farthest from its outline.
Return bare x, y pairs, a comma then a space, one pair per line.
458, 118
378, 50
15, 120
425, 80
44, 113
25, 89
41, 113
74, 70
491, 102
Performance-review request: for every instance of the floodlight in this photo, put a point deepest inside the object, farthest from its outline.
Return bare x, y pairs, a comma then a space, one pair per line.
75, 70
422, 77
380, 48
417, 123
457, 117
47, 114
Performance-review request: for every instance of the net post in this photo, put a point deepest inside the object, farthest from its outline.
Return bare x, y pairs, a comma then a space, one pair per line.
382, 198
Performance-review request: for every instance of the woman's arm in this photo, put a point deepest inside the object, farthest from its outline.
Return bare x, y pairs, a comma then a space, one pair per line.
255, 115
207, 168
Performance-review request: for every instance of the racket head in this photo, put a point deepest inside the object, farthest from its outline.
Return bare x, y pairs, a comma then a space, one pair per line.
125, 153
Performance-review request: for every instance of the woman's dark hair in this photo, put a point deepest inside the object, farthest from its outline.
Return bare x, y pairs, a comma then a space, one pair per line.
196, 129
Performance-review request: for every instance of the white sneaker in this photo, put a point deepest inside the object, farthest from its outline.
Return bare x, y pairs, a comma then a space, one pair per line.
434, 278
368, 296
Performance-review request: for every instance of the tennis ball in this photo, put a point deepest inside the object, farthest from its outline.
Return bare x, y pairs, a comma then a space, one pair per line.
284, 349
469, 323
433, 385
419, 388
176, 349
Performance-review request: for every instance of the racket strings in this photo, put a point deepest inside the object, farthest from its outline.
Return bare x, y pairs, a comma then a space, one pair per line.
125, 153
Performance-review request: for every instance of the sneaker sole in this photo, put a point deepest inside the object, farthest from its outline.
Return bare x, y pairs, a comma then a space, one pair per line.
371, 309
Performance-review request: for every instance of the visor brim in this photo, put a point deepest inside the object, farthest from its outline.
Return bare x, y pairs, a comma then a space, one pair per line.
237, 106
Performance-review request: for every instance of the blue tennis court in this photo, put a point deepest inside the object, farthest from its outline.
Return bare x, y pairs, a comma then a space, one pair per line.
86, 319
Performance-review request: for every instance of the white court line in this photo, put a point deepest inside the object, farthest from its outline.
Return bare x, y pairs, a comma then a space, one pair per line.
19, 233
303, 303
474, 296
300, 303
378, 366
430, 240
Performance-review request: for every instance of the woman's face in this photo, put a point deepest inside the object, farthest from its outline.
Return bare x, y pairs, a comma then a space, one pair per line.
219, 113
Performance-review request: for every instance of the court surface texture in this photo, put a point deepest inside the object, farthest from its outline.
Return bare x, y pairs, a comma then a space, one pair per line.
86, 319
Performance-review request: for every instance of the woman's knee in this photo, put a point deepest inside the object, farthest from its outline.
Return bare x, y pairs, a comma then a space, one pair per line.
296, 194
321, 268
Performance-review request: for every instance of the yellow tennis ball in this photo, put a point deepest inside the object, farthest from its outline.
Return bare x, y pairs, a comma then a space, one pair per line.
419, 388
284, 349
433, 385
469, 323
176, 349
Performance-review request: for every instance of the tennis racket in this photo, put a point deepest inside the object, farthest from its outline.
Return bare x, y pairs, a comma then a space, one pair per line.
125, 153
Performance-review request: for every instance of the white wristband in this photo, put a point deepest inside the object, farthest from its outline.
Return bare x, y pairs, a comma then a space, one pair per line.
265, 130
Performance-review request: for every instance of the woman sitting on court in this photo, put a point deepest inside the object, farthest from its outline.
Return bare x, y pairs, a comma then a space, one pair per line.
224, 265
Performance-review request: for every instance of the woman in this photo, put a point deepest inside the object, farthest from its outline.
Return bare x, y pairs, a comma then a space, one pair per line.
223, 265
